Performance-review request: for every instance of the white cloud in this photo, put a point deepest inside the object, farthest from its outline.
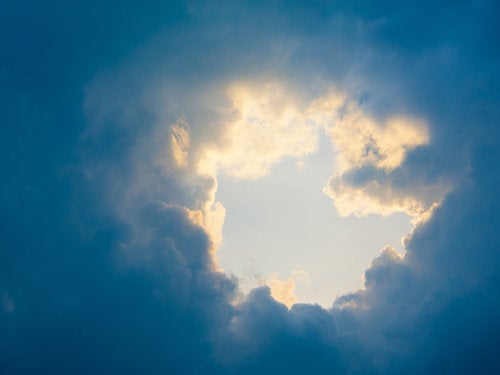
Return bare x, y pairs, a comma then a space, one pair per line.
283, 290
362, 141
370, 154
267, 125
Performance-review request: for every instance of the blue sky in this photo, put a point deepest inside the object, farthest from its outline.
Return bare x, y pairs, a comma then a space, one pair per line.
136, 137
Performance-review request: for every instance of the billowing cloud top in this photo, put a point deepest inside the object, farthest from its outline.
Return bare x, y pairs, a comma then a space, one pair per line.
118, 122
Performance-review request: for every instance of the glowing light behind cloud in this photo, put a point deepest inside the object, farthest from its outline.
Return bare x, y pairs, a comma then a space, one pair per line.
361, 141
283, 222
267, 125
103, 203
264, 123
367, 152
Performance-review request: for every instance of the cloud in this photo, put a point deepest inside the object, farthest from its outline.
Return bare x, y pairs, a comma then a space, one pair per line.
180, 141
106, 260
267, 126
369, 157
362, 142
284, 290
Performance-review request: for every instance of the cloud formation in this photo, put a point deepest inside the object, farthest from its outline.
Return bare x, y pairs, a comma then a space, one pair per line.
369, 154
266, 127
109, 219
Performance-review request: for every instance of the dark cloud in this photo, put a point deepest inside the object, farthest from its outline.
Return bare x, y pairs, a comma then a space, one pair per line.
103, 270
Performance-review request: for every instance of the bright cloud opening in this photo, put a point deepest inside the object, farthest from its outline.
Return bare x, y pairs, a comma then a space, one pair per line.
265, 124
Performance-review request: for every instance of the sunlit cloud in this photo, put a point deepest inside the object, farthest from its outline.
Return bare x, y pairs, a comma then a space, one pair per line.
283, 290
267, 125
372, 197
181, 142
361, 141
261, 123
370, 153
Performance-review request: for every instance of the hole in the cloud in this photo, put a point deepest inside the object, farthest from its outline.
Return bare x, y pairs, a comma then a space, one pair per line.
280, 228
284, 231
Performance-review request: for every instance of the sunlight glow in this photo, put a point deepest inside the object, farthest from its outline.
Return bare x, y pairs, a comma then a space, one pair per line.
265, 125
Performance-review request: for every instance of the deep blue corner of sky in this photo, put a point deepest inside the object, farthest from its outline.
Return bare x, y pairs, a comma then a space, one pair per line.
103, 268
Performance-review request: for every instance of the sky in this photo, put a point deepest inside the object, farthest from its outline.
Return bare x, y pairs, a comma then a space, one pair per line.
305, 244
236, 187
